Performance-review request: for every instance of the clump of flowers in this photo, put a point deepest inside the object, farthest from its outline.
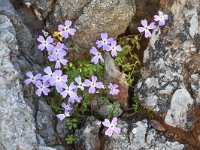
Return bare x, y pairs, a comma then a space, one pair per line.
73, 89
56, 78
160, 18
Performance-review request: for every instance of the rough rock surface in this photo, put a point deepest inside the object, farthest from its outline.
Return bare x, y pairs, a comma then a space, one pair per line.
87, 138
112, 16
171, 65
17, 125
133, 136
112, 74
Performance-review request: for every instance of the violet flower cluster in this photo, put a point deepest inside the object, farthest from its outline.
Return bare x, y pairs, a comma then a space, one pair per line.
160, 18
107, 44
54, 77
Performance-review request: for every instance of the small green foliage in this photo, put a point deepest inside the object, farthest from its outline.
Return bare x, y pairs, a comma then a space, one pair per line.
128, 60
136, 104
113, 109
70, 139
71, 123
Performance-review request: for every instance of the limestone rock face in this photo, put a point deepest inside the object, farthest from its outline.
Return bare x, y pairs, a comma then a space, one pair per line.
171, 66
17, 124
111, 16
133, 136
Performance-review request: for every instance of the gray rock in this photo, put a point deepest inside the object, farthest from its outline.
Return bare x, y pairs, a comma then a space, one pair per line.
140, 137
170, 61
111, 16
112, 74
180, 106
61, 130
45, 123
17, 125
87, 138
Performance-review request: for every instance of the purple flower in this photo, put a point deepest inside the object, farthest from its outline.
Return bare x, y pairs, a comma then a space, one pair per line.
80, 83
113, 89
146, 28
69, 90
58, 80
104, 41
111, 127
67, 107
59, 60
114, 48
77, 99
32, 79
93, 84
161, 18
42, 88
62, 116
58, 49
97, 56
66, 30
49, 73
45, 43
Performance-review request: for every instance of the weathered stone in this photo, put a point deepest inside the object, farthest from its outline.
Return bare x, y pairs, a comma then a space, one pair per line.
169, 61
87, 138
17, 125
45, 123
61, 130
180, 106
111, 16
112, 74
140, 137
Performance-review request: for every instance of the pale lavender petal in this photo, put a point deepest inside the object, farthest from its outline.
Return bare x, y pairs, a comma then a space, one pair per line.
65, 34
104, 35
114, 53
144, 22
99, 85
106, 123
140, 29
57, 66
152, 25
64, 78
87, 83
78, 79
147, 34
156, 18
118, 48
48, 70
29, 74
38, 92
161, 22
94, 78
117, 130
38, 76
114, 121
106, 47
49, 39
93, 51
41, 47
50, 47
92, 90
57, 73
99, 43
63, 105
68, 23
95, 60
64, 94
28, 81
61, 116
40, 39
61, 27
72, 31
64, 61
109, 132
165, 17
46, 91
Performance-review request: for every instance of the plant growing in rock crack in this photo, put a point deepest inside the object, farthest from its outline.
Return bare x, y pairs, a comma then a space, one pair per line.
72, 85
